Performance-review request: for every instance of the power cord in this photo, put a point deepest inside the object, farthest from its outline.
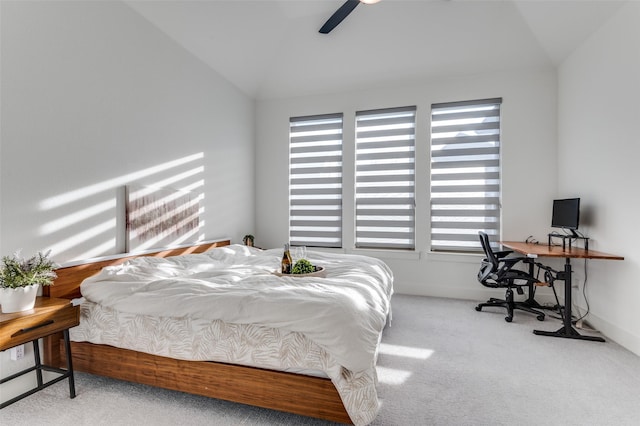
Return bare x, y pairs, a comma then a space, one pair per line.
579, 323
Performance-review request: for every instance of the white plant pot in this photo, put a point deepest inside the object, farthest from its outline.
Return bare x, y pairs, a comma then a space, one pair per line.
18, 299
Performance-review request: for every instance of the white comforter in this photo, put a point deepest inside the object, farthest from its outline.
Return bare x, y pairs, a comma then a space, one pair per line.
343, 313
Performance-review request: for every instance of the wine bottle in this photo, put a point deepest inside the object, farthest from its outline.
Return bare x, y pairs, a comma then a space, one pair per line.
286, 260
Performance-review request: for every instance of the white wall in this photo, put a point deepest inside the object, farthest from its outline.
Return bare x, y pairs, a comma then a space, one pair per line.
598, 153
528, 158
94, 98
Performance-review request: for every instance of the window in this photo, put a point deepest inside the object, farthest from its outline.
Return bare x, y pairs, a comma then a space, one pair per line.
465, 174
315, 181
385, 178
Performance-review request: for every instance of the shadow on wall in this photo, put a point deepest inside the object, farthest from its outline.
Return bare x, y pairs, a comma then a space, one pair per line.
91, 221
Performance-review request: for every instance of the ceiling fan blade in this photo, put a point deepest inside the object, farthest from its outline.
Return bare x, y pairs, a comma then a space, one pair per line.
339, 16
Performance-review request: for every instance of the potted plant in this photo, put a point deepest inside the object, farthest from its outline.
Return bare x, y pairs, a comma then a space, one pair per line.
20, 279
248, 240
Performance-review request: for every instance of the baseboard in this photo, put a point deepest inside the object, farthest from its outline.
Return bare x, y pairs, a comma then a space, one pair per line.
614, 333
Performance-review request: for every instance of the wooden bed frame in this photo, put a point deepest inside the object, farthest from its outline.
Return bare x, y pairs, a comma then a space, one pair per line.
293, 393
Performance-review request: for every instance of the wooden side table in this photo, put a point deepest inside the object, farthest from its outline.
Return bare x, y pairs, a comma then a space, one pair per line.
49, 316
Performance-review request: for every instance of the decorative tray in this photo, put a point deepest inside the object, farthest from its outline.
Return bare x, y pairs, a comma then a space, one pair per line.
319, 272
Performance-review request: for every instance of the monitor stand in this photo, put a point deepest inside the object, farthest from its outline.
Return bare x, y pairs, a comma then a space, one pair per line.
574, 235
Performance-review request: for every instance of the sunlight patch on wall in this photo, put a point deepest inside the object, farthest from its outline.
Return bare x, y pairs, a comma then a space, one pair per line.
159, 241
180, 177
81, 237
194, 186
100, 249
90, 221
73, 218
80, 193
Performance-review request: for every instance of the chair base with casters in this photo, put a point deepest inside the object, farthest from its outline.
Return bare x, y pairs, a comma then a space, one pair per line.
497, 271
511, 305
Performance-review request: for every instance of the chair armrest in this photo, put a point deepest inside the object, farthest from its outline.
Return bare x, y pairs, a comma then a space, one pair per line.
503, 253
507, 263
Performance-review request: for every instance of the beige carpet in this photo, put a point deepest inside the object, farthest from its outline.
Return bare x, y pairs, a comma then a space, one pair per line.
441, 363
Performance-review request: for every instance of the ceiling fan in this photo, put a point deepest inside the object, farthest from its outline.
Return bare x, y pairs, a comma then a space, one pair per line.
342, 13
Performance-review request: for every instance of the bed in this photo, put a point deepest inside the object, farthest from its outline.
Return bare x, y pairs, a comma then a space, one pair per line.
214, 320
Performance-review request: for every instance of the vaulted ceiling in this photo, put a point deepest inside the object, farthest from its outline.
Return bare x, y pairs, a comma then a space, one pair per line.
272, 48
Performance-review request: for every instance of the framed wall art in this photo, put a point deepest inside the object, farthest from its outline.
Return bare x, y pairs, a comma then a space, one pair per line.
160, 217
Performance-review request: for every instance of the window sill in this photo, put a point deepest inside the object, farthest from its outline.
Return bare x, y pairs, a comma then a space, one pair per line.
389, 254
434, 256
429, 256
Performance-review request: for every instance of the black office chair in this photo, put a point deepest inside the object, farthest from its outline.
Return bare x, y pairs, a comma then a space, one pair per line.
496, 271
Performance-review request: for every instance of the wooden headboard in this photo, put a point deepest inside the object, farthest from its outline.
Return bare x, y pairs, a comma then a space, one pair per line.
67, 285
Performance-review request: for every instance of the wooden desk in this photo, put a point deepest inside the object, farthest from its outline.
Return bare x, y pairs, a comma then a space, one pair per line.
544, 250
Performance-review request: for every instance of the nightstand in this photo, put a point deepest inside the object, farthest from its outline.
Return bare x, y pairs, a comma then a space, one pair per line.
48, 316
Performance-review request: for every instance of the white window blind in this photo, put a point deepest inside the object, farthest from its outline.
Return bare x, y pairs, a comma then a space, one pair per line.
465, 174
385, 178
315, 181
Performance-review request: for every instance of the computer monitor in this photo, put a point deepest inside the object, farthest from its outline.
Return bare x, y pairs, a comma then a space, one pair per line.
566, 214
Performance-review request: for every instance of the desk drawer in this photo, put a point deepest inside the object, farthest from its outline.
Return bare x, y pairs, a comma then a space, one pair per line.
30, 327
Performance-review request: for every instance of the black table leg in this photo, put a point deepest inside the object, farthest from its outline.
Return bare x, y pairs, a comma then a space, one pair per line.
567, 331
67, 347
38, 363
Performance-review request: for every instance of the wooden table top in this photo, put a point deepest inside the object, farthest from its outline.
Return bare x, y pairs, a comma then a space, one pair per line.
544, 250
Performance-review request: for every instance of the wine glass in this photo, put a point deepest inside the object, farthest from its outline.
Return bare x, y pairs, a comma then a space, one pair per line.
300, 252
